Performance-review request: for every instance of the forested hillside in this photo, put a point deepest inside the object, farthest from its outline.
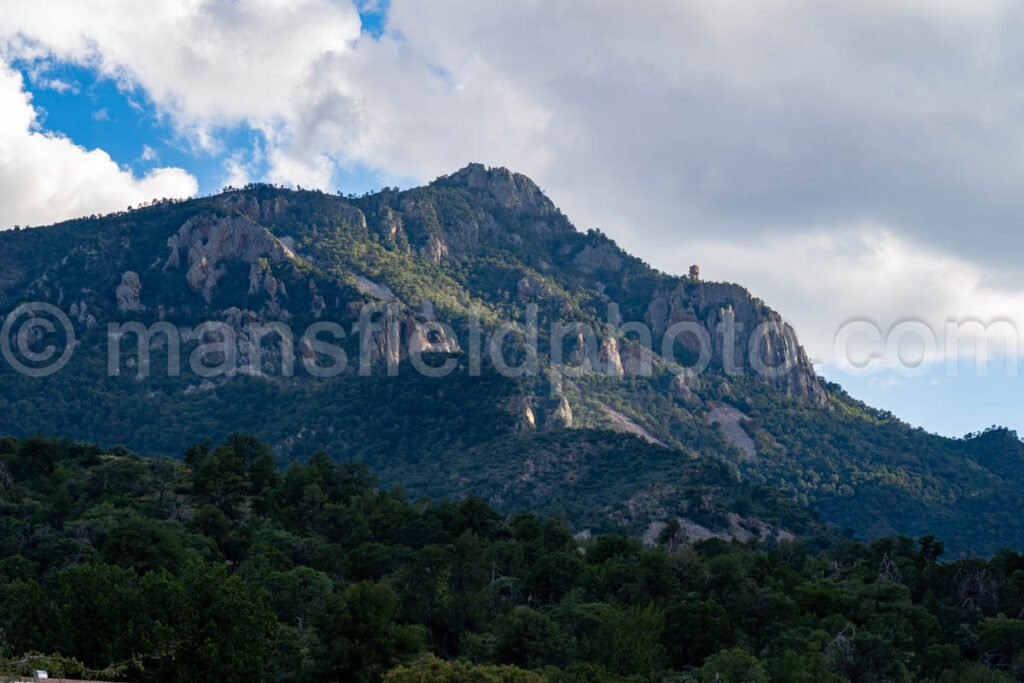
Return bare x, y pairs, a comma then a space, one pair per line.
481, 245
220, 567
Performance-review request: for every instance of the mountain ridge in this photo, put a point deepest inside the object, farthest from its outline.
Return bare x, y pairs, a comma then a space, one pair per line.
490, 240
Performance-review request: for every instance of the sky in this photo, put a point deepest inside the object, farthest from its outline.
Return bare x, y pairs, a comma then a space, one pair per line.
849, 162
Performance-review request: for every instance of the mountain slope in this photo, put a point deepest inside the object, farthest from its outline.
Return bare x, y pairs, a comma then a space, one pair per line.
490, 241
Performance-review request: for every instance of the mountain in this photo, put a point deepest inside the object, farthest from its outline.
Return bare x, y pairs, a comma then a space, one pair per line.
407, 284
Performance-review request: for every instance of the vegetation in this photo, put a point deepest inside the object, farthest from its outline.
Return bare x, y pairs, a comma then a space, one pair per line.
222, 567
449, 247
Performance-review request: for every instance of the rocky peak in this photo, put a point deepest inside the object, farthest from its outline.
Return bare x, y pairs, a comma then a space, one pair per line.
510, 190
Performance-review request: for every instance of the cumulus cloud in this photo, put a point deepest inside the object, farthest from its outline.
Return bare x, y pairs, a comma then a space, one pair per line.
867, 273
206, 65
46, 178
841, 159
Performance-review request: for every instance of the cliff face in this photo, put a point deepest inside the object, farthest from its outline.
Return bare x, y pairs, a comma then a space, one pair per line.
744, 334
209, 240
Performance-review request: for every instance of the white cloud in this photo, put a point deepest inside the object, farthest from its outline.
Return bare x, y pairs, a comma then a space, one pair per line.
821, 280
206, 64
46, 178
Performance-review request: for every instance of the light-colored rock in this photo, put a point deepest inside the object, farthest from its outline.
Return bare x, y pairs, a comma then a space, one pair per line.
80, 312
128, 292
684, 385
317, 303
436, 248
603, 258
374, 289
421, 337
636, 360
510, 190
210, 240
258, 210
427, 309
730, 420
609, 359
391, 225
529, 287
620, 423
560, 416
721, 306
520, 408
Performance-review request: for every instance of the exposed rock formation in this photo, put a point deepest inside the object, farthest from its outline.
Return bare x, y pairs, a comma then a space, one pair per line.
128, 292
603, 258
257, 210
316, 304
391, 225
731, 420
683, 385
262, 281
620, 423
210, 240
636, 359
80, 312
745, 335
374, 289
395, 333
559, 416
529, 287
520, 408
609, 359
422, 337
510, 190
436, 249
427, 309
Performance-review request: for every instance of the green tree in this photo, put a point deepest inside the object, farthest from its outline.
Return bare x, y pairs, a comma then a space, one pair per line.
696, 630
733, 666
528, 638
360, 639
433, 670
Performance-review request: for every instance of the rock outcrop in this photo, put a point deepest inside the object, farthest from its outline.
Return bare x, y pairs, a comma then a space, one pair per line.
525, 420
262, 281
731, 420
255, 209
394, 333
210, 240
684, 385
316, 303
509, 190
529, 288
421, 336
128, 292
609, 360
603, 258
745, 335
559, 415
